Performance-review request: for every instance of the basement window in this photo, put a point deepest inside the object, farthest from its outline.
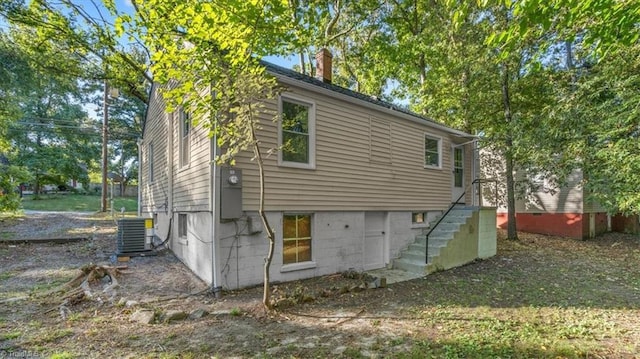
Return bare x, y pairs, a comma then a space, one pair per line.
296, 236
419, 217
182, 225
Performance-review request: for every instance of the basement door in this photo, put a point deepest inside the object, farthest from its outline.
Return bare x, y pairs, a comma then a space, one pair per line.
457, 178
375, 224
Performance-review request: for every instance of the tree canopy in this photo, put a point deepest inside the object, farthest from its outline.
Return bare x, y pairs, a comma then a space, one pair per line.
550, 85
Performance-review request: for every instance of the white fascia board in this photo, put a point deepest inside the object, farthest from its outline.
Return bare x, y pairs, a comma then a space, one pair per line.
340, 96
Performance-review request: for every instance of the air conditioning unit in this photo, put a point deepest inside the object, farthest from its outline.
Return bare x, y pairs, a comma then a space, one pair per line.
132, 234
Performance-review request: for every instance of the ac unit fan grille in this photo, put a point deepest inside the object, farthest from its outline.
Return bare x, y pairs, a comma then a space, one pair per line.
131, 235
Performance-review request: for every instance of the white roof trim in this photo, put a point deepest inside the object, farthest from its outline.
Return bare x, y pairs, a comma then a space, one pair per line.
347, 98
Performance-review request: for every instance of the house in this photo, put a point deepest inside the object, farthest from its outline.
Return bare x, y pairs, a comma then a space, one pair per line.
369, 180
544, 207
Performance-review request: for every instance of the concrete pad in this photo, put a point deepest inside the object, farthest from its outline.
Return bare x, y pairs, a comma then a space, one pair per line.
394, 275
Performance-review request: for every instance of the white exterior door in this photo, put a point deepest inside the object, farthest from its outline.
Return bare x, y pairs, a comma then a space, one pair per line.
375, 224
457, 174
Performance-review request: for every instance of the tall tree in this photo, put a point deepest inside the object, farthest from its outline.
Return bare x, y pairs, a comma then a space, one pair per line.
596, 126
83, 31
47, 136
208, 52
15, 79
438, 59
83, 44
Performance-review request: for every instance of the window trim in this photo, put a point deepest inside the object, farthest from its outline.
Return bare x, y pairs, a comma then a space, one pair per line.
424, 215
462, 165
288, 267
150, 162
312, 131
183, 227
184, 139
424, 150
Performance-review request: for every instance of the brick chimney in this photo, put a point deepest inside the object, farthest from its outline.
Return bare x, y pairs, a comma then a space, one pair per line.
323, 65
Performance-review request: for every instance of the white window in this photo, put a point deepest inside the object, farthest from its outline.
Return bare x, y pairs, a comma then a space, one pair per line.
150, 161
185, 130
458, 167
432, 151
296, 134
296, 236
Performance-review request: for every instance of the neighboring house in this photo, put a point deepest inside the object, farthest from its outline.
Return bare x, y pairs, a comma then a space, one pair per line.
546, 208
373, 177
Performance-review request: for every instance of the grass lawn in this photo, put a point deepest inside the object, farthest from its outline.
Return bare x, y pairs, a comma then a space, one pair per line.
75, 202
540, 297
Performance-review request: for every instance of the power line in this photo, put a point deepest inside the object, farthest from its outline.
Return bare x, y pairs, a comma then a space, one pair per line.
116, 135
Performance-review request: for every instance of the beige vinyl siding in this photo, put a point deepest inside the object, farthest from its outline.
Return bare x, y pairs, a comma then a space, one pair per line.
345, 178
566, 199
192, 182
154, 194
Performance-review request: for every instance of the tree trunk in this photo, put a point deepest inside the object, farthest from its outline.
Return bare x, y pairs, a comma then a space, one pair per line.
36, 187
303, 66
266, 291
512, 233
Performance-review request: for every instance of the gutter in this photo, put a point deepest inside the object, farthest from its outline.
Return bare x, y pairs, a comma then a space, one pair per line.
311, 87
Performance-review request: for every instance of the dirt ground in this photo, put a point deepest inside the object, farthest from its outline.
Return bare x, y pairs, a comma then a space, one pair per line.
323, 317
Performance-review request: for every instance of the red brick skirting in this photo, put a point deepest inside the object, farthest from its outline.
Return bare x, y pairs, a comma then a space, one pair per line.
573, 225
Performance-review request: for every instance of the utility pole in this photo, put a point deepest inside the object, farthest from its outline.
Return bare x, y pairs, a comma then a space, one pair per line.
105, 138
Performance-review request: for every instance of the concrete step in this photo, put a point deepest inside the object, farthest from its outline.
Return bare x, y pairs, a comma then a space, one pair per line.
434, 249
449, 226
433, 242
435, 237
412, 259
409, 265
455, 216
449, 219
460, 213
414, 255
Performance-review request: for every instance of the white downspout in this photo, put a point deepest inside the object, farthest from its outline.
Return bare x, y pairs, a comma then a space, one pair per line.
214, 205
140, 142
170, 151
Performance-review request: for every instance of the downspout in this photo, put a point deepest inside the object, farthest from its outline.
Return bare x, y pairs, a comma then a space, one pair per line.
140, 142
170, 150
214, 205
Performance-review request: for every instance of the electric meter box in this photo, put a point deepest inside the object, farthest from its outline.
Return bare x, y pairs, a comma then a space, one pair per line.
230, 193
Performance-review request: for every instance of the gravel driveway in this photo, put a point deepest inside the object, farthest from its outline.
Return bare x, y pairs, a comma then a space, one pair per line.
44, 225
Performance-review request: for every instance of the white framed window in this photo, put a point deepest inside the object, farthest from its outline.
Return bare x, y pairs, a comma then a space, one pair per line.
150, 161
458, 167
184, 120
296, 132
432, 151
296, 238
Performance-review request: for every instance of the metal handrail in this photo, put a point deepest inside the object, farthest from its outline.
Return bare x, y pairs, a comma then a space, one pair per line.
453, 204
